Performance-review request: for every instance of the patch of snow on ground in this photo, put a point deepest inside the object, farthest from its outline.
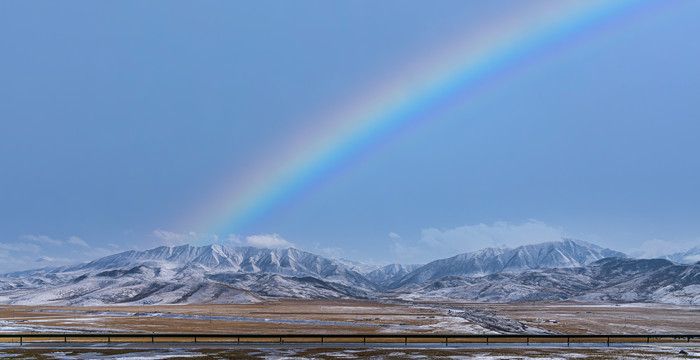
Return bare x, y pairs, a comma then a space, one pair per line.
340, 355
146, 355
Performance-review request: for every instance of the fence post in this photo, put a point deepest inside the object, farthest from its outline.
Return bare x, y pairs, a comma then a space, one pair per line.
608, 341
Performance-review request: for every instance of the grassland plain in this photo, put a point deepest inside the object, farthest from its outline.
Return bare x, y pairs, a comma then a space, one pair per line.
355, 317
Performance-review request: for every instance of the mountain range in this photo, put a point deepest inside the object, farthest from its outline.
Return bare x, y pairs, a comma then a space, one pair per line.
609, 280
560, 254
561, 270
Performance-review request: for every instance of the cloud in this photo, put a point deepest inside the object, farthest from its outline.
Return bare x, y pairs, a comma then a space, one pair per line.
42, 239
267, 241
23, 247
171, 238
405, 252
691, 258
654, 248
499, 234
333, 252
32, 251
52, 260
435, 243
74, 240
47, 240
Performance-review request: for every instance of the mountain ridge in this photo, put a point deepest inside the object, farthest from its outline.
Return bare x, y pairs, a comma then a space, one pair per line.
567, 269
552, 254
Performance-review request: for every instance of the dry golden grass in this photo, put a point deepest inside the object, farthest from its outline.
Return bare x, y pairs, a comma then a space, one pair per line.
353, 313
581, 318
355, 317
591, 319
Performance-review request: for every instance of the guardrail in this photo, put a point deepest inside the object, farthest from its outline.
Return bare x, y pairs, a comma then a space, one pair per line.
448, 339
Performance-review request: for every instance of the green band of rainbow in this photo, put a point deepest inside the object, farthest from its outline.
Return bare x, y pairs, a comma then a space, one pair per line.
375, 115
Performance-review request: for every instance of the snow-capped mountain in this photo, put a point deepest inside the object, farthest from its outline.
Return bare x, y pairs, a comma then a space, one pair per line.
685, 257
219, 258
607, 280
389, 274
187, 273
566, 253
360, 267
220, 274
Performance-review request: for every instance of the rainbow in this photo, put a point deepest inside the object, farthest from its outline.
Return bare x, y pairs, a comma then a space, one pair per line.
465, 63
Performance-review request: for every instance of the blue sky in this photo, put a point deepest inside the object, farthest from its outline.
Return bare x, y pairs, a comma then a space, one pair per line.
117, 118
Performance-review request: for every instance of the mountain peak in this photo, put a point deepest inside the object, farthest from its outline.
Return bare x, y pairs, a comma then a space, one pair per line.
564, 253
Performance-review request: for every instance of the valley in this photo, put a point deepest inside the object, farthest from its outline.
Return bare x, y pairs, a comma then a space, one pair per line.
357, 317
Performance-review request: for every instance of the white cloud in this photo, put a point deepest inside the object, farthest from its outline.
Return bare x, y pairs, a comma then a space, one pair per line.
74, 240
329, 251
405, 252
46, 261
499, 234
692, 258
33, 251
42, 239
658, 247
49, 241
171, 238
439, 243
234, 240
23, 247
267, 241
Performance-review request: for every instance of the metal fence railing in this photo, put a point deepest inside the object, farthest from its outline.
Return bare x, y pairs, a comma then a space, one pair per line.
447, 339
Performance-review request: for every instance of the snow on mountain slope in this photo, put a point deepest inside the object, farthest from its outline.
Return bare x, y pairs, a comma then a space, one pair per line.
186, 274
218, 274
390, 273
214, 258
685, 257
607, 280
360, 267
566, 253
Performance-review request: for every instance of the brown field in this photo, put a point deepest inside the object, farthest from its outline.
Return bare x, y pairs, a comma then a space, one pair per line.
595, 319
349, 317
